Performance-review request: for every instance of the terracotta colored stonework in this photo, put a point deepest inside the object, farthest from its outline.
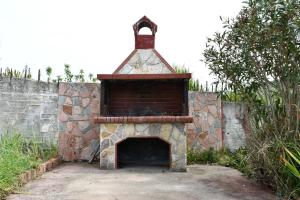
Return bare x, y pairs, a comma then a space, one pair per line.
78, 104
67, 109
206, 130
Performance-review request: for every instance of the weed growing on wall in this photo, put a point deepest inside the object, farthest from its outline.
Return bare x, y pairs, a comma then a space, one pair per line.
13, 73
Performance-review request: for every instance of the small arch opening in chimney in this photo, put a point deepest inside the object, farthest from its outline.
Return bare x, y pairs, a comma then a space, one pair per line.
145, 31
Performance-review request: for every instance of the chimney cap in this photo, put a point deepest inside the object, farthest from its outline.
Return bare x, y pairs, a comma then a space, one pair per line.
144, 22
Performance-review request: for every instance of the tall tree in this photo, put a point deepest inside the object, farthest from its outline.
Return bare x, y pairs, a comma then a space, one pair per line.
258, 54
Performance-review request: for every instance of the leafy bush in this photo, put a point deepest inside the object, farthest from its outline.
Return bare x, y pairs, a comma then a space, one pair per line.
203, 157
18, 155
258, 54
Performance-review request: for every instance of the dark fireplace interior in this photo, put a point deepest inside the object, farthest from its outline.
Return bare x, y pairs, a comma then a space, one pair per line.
143, 152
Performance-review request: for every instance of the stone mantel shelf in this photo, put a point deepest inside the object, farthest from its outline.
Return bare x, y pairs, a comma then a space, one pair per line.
144, 119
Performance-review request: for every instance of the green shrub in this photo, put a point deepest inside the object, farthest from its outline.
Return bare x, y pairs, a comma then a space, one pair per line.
202, 157
18, 155
258, 55
224, 157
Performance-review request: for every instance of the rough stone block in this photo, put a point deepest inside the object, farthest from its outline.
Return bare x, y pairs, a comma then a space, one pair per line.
83, 126
77, 110
76, 101
68, 101
61, 100
165, 131
85, 102
63, 87
67, 109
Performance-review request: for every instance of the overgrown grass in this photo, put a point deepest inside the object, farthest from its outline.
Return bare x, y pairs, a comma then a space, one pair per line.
224, 157
266, 150
17, 155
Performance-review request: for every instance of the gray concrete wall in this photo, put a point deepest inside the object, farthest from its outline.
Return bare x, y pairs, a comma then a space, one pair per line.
233, 125
29, 107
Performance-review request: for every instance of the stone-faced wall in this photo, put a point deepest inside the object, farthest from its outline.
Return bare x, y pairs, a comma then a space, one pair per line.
29, 107
78, 104
174, 134
234, 125
206, 131
33, 109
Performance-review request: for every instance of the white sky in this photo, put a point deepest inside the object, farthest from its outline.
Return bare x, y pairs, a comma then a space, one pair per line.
97, 35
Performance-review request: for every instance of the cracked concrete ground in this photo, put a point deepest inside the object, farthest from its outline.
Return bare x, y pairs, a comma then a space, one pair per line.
83, 181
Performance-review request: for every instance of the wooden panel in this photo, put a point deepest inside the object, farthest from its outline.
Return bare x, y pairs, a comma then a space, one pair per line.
145, 98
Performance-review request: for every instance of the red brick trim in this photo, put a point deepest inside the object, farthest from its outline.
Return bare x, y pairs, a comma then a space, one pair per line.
125, 61
144, 119
164, 61
142, 76
41, 169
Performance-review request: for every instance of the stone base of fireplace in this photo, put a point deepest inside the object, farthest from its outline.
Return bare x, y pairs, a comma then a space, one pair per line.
112, 134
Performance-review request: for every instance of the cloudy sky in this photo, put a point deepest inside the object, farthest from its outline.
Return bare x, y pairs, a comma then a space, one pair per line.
97, 35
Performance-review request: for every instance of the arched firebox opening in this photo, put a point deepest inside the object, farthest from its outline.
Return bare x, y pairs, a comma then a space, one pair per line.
145, 151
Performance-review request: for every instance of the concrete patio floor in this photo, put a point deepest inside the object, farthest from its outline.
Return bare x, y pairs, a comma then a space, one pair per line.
83, 181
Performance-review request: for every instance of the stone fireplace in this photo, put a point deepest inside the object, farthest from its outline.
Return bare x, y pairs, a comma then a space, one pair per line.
143, 109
